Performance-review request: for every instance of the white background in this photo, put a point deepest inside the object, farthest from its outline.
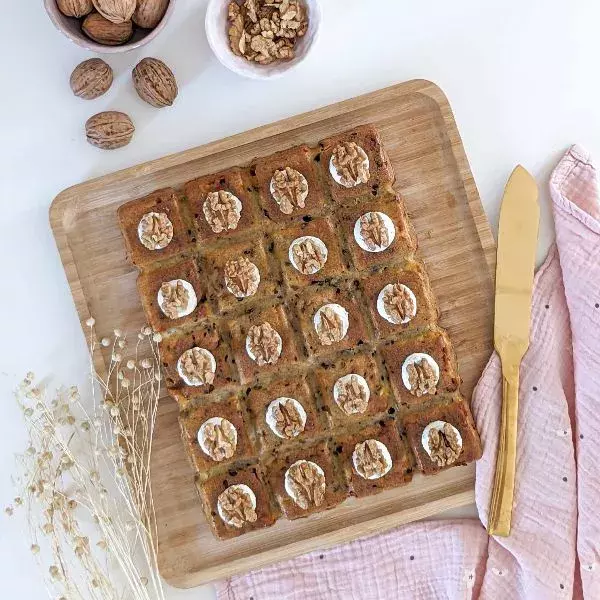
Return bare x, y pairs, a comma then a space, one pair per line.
523, 79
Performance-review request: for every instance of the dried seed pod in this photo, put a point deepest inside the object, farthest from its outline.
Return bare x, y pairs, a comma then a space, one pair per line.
155, 82
149, 13
109, 130
75, 8
103, 31
91, 78
116, 11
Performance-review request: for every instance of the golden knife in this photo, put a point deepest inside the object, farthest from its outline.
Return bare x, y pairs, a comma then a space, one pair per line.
517, 243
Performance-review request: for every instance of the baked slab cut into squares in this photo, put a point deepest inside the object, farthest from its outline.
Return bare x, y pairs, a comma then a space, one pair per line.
283, 411
304, 480
288, 184
237, 502
215, 435
352, 389
443, 436
153, 228
355, 164
240, 274
222, 204
375, 458
399, 297
263, 342
421, 367
172, 295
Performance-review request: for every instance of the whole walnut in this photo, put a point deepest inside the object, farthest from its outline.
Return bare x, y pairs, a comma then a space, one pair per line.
75, 8
155, 82
91, 78
116, 11
149, 13
103, 31
109, 130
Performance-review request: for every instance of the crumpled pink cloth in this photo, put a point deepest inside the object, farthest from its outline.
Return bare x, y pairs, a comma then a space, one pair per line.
554, 548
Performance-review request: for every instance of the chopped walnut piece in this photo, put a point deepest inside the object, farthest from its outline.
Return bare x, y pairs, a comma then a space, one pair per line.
399, 303
197, 366
242, 277
370, 459
237, 506
444, 446
422, 377
352, 394
289, 189
175, 298
351, 164
155, 231
307, 484
374, 231
288, 421
219, 439
263, 344
222, 211
308, 255
330, 325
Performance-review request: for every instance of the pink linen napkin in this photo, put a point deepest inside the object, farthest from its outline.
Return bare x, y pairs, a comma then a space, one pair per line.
554, 549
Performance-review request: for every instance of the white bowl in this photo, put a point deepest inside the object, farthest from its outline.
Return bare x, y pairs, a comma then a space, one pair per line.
216, 33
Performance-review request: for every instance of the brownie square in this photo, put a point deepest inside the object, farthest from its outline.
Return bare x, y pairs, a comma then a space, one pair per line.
277, 419
392, 307
149, 284
269, 336
369, 467
331, 318
295, 184
234, 181
222, 445
211, 490
381, 172
458, 415
163, 223
212, 351
240, 274
324, 232
344, 378
433, 344
314, 498
389, 211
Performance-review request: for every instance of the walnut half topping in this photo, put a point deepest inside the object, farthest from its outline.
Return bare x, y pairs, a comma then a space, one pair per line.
374, 231
349, 164
286, 417
371, 459
237, 505
305, 484
155, 230
331, 324
222, 211
197, 366
218, 438
444, 443
398, 303
420, 374
351, 393
177, 298
289, 189
242, 277
263, 344
308, 254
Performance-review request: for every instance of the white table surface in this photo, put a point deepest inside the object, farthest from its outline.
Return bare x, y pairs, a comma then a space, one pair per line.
522, 78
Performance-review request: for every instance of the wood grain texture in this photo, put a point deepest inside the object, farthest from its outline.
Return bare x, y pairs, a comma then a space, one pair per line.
420, 135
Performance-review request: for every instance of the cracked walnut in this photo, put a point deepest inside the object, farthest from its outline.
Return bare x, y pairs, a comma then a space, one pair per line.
444, 445
197, 366
237, 505
218, 438
155, 230
371, 459
242, 277
351, 393
263, 344
305, 484
222, 211
349, 164
289, 189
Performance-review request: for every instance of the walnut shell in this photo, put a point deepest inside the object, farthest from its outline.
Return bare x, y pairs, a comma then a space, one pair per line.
149, 13
75, 8
116, 11
91, 78
155, 82
109, 130
103, 31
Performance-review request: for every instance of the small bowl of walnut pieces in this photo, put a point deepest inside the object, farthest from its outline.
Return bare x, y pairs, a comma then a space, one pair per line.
262, 39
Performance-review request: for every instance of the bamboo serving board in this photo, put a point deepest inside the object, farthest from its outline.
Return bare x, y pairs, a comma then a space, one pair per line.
433, 176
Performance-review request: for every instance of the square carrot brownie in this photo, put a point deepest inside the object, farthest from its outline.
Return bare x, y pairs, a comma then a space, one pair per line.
331, 318
422, 367
222, 204
288, 184
240, 274
173, 295
375, 458
309, 252
443, 436
154, 228
355, 164
263, 342
304, 480
283, 411
237, 502
377, 232
352, 389
399, 297
215, 435
197, 363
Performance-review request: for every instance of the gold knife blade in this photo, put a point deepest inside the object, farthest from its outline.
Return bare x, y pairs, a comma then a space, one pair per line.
517, 244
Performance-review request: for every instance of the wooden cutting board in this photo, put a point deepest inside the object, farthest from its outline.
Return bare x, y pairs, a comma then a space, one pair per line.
420, 135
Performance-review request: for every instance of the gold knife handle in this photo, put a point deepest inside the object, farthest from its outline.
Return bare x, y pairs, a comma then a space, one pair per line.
499, 521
